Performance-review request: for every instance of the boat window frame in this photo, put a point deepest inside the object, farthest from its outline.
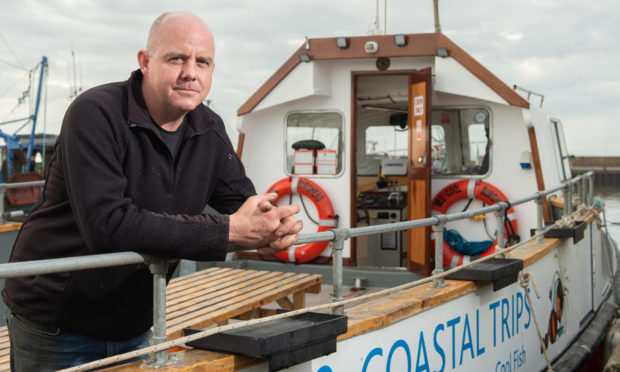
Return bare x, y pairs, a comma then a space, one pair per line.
490, 139
562, 157
342, 143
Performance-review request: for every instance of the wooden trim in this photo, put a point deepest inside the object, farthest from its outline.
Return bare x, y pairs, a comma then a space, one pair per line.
419, 185
390, 72
14, 226
540, 181
418, 45
240, 142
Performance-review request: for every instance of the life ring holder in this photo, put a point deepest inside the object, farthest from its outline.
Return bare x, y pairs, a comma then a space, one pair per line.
469, 189
327, 218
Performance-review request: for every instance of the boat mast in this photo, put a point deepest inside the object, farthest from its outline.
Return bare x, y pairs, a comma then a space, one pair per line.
44, 67
436, 12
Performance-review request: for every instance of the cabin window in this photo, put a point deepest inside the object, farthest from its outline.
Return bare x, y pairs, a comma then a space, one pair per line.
460, 141
314, 143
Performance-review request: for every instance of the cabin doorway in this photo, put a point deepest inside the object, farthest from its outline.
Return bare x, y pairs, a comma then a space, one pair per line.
390, 172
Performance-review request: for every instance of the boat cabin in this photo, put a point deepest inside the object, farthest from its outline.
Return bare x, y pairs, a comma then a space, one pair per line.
382, 124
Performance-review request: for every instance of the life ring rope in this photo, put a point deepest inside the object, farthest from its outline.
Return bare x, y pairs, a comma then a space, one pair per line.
327, 218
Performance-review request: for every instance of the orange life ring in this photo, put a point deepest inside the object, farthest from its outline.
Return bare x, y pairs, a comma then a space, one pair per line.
468, 189
327, 218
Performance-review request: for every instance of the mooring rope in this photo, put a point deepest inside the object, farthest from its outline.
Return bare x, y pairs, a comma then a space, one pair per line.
182, 340
524, 279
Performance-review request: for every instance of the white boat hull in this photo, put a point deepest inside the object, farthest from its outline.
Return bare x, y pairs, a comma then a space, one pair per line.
483, 329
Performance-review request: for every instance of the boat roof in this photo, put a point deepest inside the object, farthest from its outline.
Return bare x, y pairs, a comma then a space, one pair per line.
416, 45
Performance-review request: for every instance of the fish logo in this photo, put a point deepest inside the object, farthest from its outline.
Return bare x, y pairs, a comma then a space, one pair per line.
558, 294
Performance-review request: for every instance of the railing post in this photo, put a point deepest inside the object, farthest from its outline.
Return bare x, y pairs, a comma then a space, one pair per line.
582, 190
567, 195
159, 269
591, 189
539, 217
501, 218
2, 193
438, 230
338, 246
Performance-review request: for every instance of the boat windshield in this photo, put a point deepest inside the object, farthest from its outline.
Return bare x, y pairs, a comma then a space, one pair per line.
459, 141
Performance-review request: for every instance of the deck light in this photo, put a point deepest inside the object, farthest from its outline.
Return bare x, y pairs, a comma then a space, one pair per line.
441, 52
400, 40
304, 57
342, 42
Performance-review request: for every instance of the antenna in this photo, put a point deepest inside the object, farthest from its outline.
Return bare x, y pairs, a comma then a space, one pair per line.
74, 93
436, 12
376, 31
376, 26
384, 16
74, 89
81, 82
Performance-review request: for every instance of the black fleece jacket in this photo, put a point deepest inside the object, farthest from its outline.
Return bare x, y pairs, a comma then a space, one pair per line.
113, 186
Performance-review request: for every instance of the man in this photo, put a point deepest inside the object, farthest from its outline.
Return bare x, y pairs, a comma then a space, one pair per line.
135, 164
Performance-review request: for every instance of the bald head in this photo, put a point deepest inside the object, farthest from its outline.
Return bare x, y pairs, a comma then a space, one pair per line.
174, 20
177, 67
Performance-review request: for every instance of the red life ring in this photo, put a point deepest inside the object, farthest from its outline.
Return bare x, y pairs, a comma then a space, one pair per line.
327, 218
468, 189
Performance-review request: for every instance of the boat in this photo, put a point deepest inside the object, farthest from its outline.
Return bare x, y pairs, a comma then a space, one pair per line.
413, 127
410, 136
23, 154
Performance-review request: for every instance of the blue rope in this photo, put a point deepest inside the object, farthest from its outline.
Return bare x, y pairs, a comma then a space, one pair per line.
464, 247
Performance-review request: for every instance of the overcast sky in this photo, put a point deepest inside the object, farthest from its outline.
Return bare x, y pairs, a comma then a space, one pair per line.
567, 50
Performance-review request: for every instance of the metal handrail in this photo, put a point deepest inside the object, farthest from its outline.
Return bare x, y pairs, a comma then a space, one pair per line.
158, 266
59, 265
14, 185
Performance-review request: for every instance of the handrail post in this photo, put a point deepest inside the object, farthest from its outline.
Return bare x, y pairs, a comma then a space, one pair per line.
501, 218
438, 230
591, 189
582, 190
567, 195
2, 193
539, 217
338, 247
159, 269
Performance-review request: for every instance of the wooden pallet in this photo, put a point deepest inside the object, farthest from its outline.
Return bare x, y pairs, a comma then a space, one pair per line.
5, 349
215, 295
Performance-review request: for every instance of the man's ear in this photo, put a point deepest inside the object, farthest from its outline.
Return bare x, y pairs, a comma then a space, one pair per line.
143, 62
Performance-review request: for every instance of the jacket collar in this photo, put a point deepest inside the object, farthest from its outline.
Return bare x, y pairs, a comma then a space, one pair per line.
199, 120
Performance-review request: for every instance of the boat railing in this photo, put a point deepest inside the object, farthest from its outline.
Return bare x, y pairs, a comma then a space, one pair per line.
14, 185
159, 266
